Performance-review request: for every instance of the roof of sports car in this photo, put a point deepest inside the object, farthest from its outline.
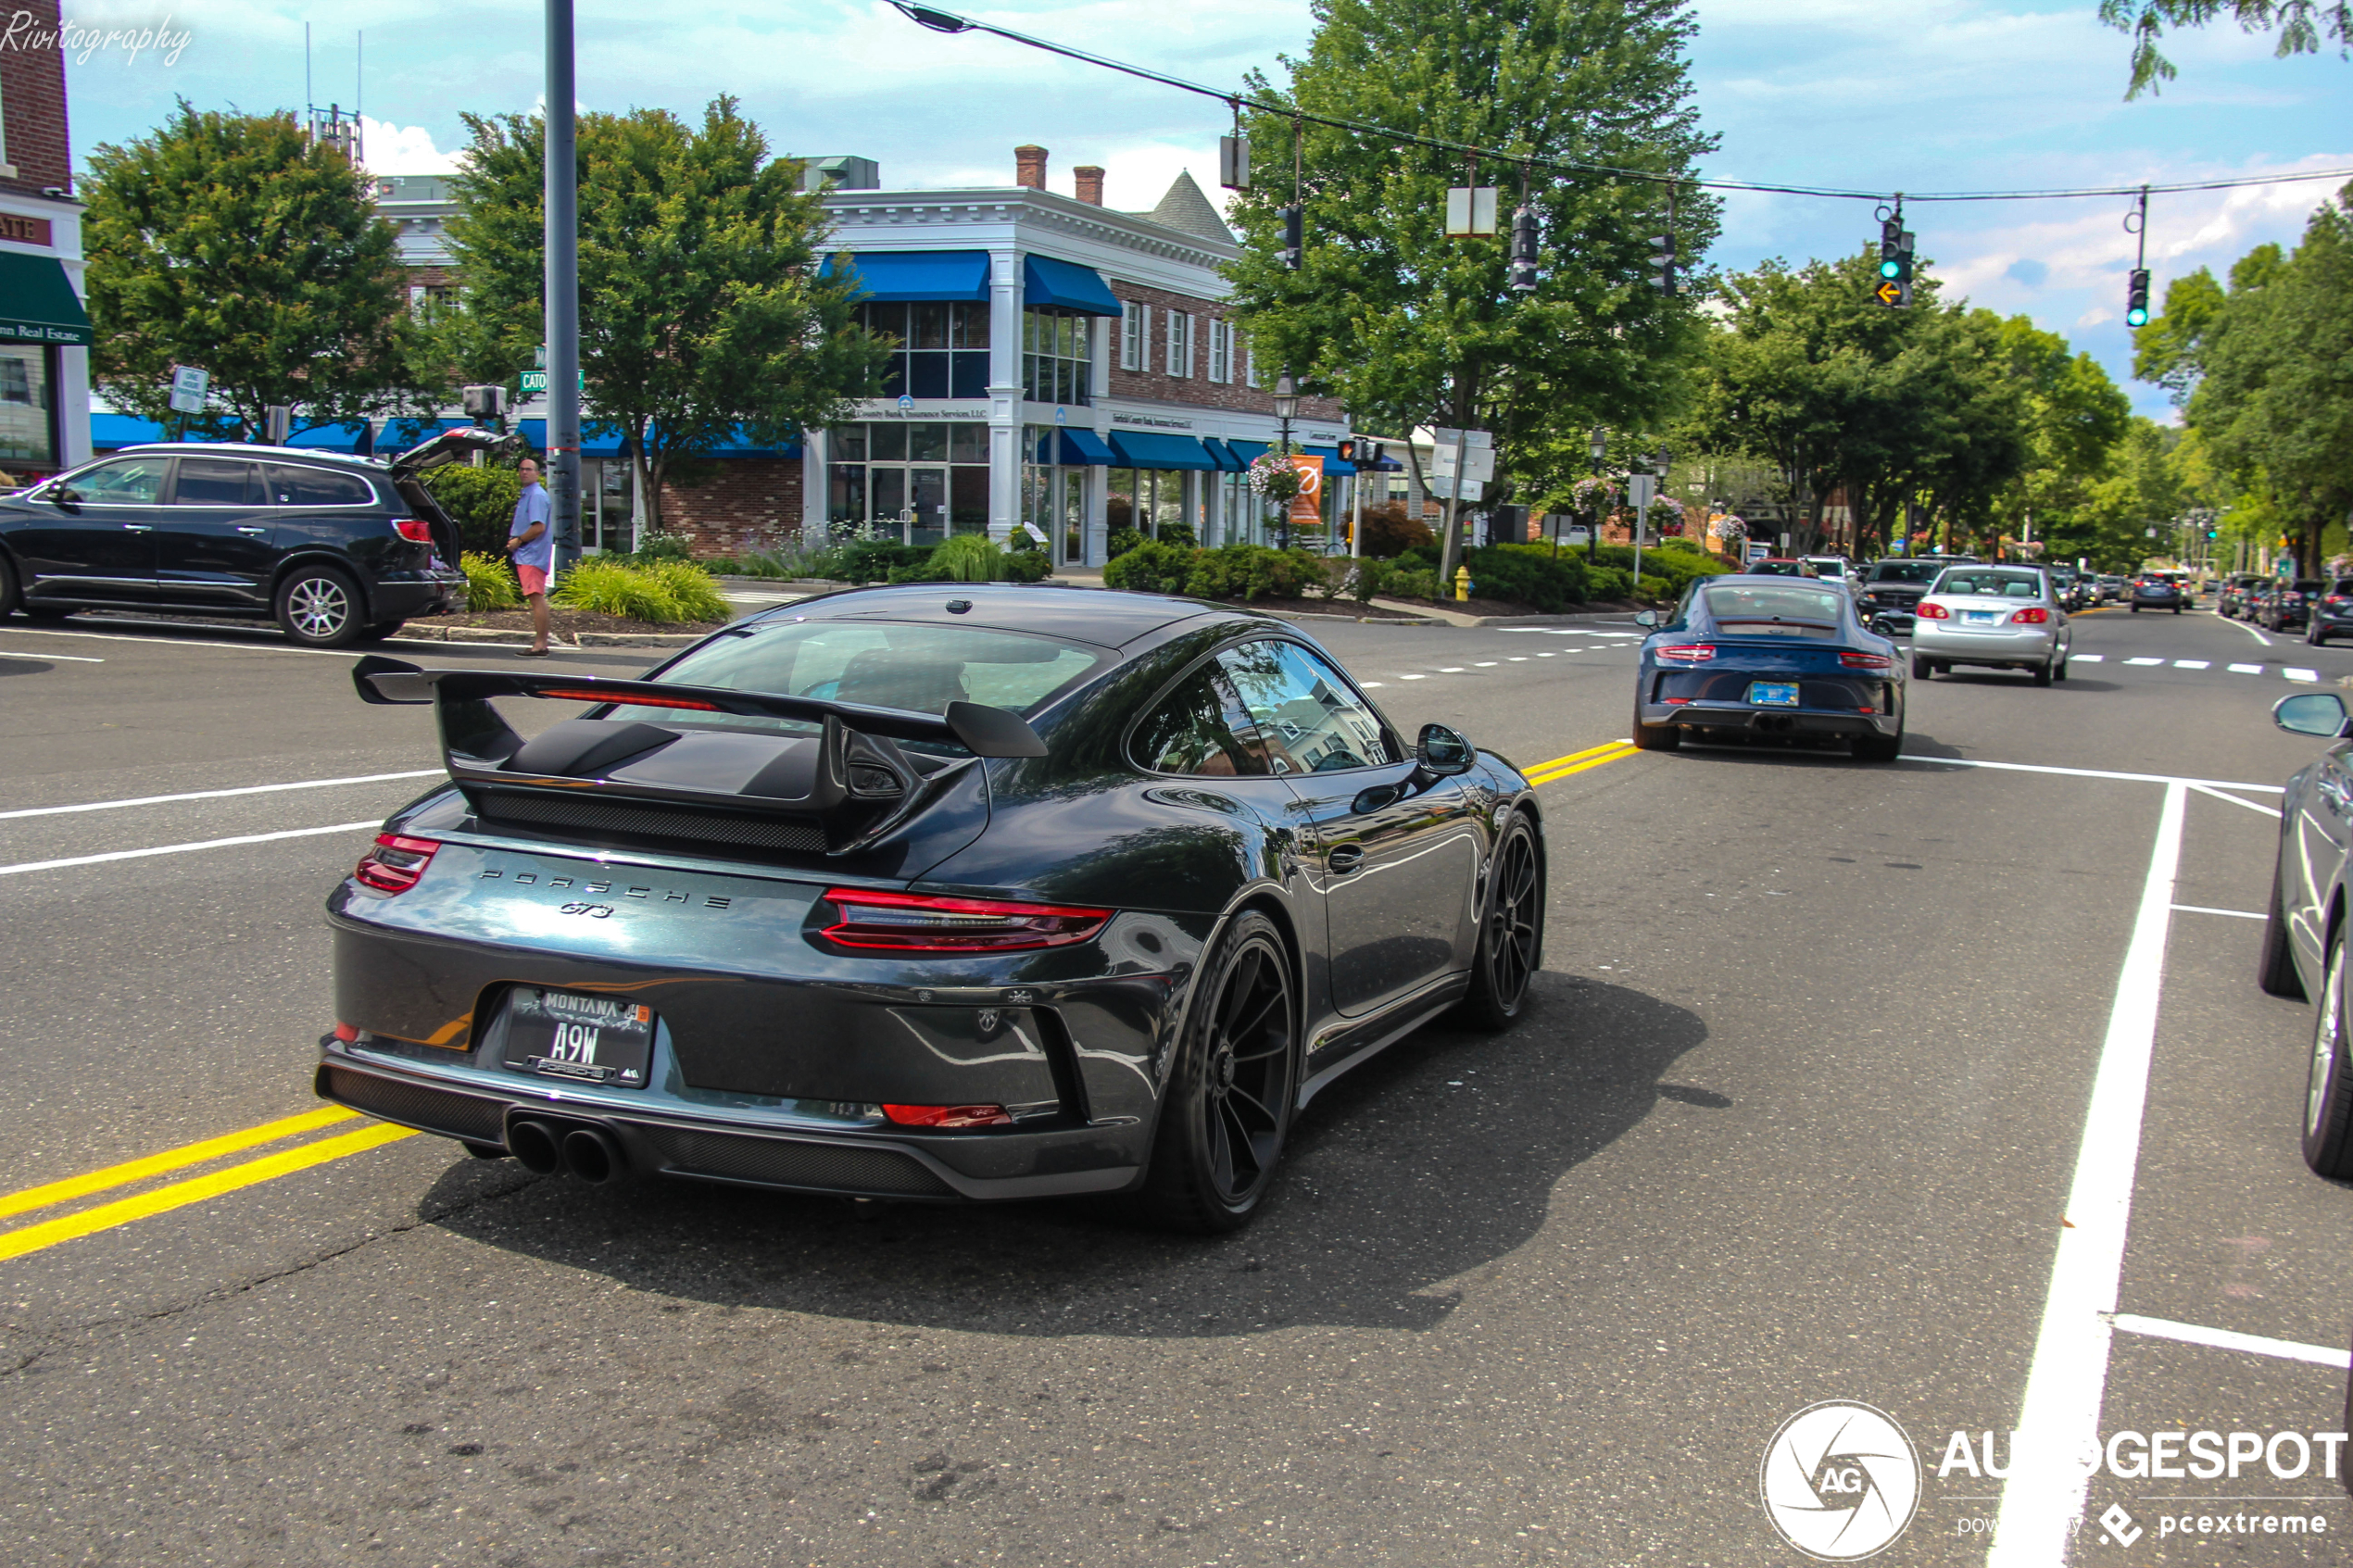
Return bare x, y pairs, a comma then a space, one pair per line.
1107, 617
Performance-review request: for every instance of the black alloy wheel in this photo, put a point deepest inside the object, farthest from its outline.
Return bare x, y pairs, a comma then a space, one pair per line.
2328, 1092
1227, 1105
2275, 970
319, 607
1511, 939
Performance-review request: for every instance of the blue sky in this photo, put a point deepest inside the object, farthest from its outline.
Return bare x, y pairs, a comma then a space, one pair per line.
1940, 94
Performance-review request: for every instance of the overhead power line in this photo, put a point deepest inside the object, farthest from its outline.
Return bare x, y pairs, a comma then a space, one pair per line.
947, 22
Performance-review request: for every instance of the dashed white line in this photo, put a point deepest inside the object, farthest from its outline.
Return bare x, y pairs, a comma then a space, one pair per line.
184, 849
2247, 669
1449, 669
2192, 664
1484, 664
1519, 659
2307, 676
218, 794
2073, 658
2145, 661
1412, 677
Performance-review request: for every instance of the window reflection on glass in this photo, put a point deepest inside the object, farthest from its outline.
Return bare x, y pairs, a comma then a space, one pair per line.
1306, 717
1056, 359
881, 469
1200, 730
27, 435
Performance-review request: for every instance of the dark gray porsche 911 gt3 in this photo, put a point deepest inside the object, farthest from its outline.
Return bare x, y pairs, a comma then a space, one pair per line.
940, 892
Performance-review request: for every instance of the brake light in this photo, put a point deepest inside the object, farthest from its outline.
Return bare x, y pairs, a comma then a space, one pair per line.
1688, 653
626, 699
2333, 599
1931, 611
916, 923
414, 528
2033, 615
1866, 661
346, 1033
396, 864
948, 1115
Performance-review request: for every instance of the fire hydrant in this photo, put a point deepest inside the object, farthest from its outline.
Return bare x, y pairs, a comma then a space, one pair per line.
1462, 583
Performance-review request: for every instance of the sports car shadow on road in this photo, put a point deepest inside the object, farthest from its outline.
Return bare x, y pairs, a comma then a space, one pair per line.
1443, 1156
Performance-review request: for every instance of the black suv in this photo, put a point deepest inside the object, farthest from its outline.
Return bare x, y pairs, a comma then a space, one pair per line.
2291, 603
1894, 587
338, 549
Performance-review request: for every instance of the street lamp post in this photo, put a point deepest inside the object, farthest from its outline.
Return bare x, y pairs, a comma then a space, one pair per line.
1593, 530
1286, 408
562, 318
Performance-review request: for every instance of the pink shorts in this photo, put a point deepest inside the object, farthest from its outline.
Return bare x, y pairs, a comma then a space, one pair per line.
535, 582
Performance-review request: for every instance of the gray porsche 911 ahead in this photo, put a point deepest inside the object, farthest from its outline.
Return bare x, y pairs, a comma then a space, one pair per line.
942, 892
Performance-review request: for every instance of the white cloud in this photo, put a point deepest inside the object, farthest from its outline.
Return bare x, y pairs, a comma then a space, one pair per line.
2094, 317
402, 149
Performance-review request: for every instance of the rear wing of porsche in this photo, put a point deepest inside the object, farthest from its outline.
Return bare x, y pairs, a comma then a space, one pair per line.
848, 785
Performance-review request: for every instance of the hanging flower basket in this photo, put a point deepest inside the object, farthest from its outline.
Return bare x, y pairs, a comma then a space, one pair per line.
1272, 478
1731, 528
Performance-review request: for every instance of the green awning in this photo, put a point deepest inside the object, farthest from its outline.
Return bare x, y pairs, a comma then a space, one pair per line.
37, 305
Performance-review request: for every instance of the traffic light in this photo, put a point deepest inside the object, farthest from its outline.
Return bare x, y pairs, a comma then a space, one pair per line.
2137, 298
1894, 288
1523, 251
1663, 263
1347, 448
1294, 233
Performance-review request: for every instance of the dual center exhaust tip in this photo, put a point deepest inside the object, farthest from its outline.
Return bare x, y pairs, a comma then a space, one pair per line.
545, 1148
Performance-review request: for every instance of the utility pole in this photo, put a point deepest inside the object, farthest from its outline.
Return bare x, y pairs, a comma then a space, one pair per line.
1450, 552
563, 290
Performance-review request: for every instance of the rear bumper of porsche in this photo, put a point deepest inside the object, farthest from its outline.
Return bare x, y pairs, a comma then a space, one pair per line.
1721, 698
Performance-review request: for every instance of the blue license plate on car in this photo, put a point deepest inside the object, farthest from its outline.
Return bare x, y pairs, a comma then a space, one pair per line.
1982, 617
1773, 694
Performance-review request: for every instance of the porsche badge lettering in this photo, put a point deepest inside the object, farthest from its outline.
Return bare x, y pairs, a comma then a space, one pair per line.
594, 911
605, 911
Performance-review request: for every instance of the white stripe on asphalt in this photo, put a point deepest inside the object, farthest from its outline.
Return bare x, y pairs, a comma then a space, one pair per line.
2270, 812
2306, 675
216, 794
2229, 1339
185, 849
2043, 1501
2145, 661
2087, 657
2247, 669
2202, 909
185, 641
2192, 664
2092, 773
63, 658
2252, 632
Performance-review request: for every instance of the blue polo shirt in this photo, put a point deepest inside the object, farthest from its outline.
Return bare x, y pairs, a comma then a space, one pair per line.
534, 505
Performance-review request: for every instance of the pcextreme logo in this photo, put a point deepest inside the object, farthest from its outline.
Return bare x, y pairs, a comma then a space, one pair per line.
1841, 1480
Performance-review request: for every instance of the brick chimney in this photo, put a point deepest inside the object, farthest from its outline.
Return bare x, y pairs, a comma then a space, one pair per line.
1090, 183
1029, 168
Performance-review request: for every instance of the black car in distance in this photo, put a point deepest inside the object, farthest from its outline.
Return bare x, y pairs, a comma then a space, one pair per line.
336, 549
2289, 605
2155, 593
2329, 613
1893, 589
942, 892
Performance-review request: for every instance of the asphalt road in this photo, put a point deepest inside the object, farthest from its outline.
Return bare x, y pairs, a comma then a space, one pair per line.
1796, 1117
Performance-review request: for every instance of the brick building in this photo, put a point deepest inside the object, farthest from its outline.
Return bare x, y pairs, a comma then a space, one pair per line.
44, 333
1068, 368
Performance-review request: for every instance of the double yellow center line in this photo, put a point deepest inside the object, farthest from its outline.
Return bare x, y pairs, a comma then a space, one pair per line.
194, 1189
1579, 761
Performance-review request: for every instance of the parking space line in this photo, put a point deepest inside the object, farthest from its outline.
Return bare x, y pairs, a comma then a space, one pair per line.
185, 849
185, 641
2092, 773
196, 1189
217, 794
2271, 812
2043, 1499
2229, 1339
60, 657
129, 1171
2204, 909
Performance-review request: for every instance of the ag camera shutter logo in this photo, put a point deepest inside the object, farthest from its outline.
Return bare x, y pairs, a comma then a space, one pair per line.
1840, 1480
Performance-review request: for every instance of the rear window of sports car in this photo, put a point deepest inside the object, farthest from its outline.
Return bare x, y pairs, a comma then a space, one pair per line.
1794, 604
910, 667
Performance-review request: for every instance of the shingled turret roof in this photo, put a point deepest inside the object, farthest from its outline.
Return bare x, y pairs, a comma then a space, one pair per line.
1187, 211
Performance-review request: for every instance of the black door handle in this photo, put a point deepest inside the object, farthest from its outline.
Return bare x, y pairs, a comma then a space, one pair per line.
1345, 859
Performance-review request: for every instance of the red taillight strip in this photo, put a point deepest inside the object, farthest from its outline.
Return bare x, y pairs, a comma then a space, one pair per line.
396, 864
1866, 661
627, 699
948, 1115
1688, 653
929, 924
414, 529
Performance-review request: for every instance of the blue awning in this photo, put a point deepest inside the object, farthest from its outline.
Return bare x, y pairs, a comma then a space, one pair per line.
357, 438
398, 435
1047, 282
1333, 462
889, 275
1138, 449
605, 442
1249, 451
1085, 447
1223, 455
110, 432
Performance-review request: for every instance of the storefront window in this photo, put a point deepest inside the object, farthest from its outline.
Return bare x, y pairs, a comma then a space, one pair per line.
922, 480
943, 347
604, 505
28, 430
1151, 501
1055, 356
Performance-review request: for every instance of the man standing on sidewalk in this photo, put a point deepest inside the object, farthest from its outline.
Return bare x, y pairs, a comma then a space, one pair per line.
531, 546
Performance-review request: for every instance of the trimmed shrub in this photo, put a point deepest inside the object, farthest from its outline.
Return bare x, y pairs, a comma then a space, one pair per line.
1389, 532
1120, 541
1413, 583
1527, 574
1253, 571
1151, 568
1178, 533
873, 561
665, 592
1605, 582
480, 501
490, 580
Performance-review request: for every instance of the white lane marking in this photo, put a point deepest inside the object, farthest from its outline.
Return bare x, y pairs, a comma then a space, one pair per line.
2074, 658
2251, 632
1519, 659
62, 658
2043, 1501
2270, 812
1449, 669
2192, 664
185, 849
2203, 910
1544, 655
2305, 675
216, 794
2145, 661
1412, 677
1484, 664
2092, 773
2230, 1339
1370, 685
187, 642
2247, 669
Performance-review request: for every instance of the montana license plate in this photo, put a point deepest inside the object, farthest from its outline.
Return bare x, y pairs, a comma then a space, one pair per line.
1773, 694
591, 1039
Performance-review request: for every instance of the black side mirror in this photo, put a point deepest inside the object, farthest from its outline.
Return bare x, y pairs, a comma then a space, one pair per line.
1646, 618
1441, 752
2310, 714
64, 495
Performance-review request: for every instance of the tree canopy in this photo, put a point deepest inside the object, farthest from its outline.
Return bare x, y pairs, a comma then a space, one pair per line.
235, 243
2300, 23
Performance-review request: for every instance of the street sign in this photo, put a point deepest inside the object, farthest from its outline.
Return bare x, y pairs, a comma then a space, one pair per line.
188, 387
534, 382
1442, 486
1470, 211
1479, 462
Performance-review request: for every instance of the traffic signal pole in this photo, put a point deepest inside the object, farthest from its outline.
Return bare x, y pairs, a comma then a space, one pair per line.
562, 204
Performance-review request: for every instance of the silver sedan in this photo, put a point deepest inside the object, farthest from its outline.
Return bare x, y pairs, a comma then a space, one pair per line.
1998, 616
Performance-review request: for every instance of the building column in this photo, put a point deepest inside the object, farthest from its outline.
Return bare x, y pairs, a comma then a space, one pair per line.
1004, 394
70, 397
1098, 514
816, 451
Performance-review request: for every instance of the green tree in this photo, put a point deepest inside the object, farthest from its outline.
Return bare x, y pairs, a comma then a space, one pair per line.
1407, 326
2300, 24
702, 304
235, 243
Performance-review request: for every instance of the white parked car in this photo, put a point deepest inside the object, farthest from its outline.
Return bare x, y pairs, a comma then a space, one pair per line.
1997, 617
